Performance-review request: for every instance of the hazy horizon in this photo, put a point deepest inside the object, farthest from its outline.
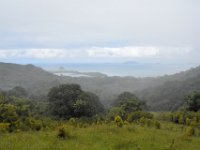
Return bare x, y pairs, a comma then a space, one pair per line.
161, 36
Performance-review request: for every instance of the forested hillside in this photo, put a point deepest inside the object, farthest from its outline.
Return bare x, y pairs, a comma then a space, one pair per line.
161, 93
33, 79
171, 94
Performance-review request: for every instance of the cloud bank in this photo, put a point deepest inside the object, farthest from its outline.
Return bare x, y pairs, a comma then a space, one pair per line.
97, 52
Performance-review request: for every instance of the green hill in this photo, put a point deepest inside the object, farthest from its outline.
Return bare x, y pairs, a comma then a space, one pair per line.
161, 93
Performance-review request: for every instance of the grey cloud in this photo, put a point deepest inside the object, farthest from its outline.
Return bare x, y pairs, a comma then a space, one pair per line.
57, 24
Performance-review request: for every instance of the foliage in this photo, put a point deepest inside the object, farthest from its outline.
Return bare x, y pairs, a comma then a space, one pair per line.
157, 124
20, 114
190, 131
162, 93
185, 118
129, 102
119, 121
116, 111
193, 102
103, 137
137, 115
124, 105
4, 127
18, 92
73, 122
62, 132
68, 100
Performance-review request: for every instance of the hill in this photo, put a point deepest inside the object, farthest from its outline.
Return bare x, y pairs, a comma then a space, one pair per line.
171, 94
35, 80
161, 93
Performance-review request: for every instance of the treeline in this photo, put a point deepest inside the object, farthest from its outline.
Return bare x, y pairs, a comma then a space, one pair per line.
18, 111
165, 93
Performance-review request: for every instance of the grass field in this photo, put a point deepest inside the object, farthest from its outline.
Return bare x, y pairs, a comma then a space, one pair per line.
104, 137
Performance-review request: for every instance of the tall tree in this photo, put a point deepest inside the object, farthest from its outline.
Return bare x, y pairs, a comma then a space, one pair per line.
68, 100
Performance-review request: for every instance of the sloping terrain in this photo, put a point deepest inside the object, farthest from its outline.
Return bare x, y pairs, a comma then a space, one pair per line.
160, 93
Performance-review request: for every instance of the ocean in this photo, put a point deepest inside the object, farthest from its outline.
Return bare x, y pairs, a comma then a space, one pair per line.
119, 69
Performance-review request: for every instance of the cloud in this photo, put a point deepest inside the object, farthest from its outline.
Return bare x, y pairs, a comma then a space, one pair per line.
97, 52
64, 23
123, 52
35, 53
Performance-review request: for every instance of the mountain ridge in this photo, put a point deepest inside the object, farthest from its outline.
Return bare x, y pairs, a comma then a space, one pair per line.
38, 82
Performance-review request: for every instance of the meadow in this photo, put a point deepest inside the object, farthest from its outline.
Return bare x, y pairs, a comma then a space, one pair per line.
106, 136
73, 119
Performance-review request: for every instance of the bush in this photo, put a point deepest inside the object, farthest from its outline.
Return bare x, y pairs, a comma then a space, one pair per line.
190, 131
119, 121
188, 121
142, 121
62, 133
33, 124
4, 127
116, 111
148, 122
185, 118
157, 124
72, 122
135, 116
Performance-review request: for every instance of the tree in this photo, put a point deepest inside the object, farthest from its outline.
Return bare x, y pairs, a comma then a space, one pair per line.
116, 111
193, 101
129, 102
68, 100
18, 92
125, 104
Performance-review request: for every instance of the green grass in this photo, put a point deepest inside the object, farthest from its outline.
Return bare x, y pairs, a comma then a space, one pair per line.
103, 137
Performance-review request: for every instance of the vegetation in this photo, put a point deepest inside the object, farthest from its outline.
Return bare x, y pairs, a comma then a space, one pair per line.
164, 93
193, 102
125, 104
69, 100
104, 136
129, 102
71, 117
20, 113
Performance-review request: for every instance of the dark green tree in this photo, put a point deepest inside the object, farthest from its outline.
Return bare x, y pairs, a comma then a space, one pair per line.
193, 101
68, 100
129, 102
125, 104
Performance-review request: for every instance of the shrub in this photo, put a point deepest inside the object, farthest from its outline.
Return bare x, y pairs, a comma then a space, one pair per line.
22, 126
62, 133
37, 126
157, 124
148, 122
72, 122
33, 123
142, 121
135, 116
125, 122
4, 127
119, 121
116, 111
181, 120
83, 125
185, 117
188, 121
190, 131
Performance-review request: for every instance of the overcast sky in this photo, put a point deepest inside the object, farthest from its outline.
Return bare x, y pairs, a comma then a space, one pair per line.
99, 30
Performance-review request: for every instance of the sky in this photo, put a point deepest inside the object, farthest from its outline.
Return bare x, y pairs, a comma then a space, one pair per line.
80, 31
